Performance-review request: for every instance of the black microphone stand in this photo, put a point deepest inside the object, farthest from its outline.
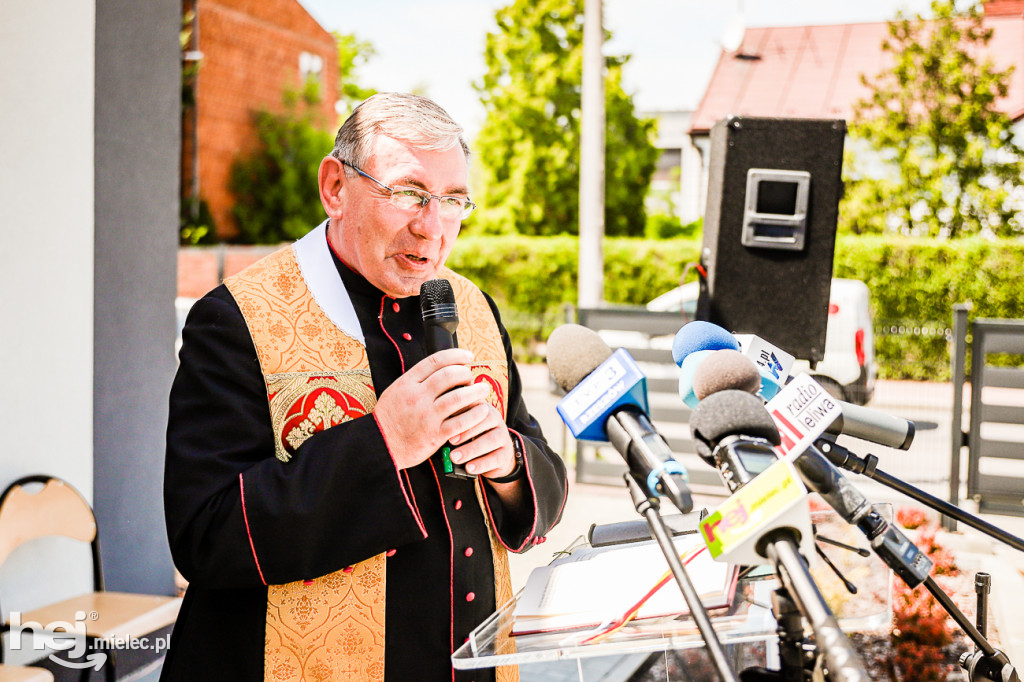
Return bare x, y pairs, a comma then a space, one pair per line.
867, 466
649, 507
987, 662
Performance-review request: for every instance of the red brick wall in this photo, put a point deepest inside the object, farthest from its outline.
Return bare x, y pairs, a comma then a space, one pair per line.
201, 268
251, 54
1004, 8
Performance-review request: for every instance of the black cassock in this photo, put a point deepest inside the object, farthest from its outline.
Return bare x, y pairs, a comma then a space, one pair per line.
337, 502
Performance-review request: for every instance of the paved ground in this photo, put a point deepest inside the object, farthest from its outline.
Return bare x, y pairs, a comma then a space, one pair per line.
589, 504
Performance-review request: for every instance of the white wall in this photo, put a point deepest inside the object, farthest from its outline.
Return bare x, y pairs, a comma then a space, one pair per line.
46, 242
46, 260
672, 134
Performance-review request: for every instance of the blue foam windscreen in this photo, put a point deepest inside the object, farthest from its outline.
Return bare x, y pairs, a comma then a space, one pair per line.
697, 336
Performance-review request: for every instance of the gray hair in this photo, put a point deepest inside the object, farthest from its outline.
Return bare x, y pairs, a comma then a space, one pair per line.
401, 116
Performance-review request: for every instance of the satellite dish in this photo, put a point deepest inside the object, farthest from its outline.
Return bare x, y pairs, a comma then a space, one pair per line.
732, 36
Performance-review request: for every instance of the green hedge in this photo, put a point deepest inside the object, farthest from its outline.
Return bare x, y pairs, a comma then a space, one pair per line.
914, 284
533, 278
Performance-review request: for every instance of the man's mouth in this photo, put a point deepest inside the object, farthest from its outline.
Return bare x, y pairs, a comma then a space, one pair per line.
415, 259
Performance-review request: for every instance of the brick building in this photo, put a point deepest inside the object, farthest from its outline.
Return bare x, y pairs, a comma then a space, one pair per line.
250, 52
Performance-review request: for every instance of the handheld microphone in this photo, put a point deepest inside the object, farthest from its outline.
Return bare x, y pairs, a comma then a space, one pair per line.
440, 320
607, 401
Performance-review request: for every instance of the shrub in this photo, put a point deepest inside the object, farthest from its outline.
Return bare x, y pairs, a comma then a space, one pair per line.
919, 281
911, 517
276, 189
196, 224
920, 624
661, 226
913, 282
533, 279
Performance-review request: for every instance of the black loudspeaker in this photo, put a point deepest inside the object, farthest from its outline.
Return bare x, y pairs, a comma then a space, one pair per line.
770, 229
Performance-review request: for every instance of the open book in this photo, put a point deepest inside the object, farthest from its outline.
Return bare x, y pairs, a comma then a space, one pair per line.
594, 586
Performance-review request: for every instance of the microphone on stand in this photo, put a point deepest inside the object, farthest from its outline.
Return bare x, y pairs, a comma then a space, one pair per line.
440, 320
717, 383
767, 517
607, 401
728, 367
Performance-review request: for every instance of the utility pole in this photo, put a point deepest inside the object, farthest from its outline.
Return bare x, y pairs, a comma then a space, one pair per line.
592, 132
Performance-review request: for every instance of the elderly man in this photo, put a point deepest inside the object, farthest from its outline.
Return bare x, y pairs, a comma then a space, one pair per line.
305, 501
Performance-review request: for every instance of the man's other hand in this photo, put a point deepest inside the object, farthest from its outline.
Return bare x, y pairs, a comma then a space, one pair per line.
430, 404
486, 447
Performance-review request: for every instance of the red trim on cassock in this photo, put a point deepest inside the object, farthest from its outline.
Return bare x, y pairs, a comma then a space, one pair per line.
245, 518
408, 484
451, 566
380, 318
410, 498
533, 491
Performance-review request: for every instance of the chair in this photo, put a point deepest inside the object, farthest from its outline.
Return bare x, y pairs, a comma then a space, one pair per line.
16, 673
58, 509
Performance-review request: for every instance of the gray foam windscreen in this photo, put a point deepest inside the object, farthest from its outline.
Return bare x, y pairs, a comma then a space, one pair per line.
730, 413
574, 351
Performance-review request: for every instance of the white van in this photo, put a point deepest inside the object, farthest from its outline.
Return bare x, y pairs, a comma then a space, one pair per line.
848, 368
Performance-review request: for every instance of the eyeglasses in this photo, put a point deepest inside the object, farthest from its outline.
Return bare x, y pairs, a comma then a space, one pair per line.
415, 199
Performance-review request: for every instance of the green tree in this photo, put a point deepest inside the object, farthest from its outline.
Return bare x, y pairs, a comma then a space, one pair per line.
195, 224
276, 189
528, 147
352, 54
951, 164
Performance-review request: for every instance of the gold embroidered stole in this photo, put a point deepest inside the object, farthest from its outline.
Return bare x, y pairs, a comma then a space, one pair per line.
332, 627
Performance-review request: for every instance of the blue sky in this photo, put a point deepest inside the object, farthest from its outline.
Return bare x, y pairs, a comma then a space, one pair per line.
438, 46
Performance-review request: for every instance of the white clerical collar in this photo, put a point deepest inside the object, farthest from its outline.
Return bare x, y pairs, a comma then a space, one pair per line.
316, 264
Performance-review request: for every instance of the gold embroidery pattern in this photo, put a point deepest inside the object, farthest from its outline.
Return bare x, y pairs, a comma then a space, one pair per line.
293, 333
332, 628
476, 321
497, 379
504, 642
303, 403
478, 331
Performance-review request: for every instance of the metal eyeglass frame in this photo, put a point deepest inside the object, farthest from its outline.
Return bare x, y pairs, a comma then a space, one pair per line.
467, 206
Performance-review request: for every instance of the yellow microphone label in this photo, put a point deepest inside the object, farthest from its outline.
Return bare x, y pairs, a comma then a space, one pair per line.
774, 499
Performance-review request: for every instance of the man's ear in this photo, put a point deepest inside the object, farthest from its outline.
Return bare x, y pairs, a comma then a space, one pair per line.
331, 177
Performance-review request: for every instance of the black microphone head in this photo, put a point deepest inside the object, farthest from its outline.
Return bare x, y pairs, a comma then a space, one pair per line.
730, 413
574, 351
437, 302
725, 370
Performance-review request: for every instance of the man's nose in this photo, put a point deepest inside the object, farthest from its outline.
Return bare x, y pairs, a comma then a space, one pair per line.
429, 224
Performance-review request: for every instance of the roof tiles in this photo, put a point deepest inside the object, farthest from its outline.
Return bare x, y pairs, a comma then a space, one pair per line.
815, 71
